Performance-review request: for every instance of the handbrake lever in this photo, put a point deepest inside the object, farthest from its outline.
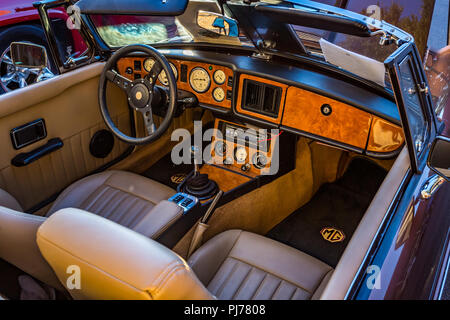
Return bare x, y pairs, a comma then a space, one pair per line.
202, 225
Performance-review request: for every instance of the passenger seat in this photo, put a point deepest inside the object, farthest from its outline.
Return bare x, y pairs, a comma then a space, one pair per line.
118, 263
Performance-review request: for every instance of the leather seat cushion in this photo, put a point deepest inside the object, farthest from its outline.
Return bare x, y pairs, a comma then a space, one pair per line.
241, 265
8, 201
123, 197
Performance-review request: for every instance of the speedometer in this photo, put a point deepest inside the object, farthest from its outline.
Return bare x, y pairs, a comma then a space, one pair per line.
200, 80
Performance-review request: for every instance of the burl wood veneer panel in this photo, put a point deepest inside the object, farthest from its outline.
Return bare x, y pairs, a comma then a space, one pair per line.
345, 124
385, 136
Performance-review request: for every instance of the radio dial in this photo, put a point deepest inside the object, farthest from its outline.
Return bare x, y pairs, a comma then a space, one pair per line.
259, 161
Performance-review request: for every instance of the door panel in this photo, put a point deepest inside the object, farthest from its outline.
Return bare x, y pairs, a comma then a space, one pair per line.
69, 106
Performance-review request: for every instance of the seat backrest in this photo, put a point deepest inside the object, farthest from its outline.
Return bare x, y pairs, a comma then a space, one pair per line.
95, 258
18, 240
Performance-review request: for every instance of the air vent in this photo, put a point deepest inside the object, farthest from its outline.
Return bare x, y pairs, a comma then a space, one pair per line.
261, 98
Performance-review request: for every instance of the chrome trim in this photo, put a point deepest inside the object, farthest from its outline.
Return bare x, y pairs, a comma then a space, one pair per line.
432, 184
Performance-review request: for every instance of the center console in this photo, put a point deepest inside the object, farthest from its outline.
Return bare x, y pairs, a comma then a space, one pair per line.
242, 158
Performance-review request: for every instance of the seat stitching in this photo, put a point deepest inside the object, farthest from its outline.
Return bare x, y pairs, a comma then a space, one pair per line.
222, 286
128, 209
238, 290
132, 194
116, 207
272, 274
259, 286
226, 256
88, 207
168, 224
144, 206
106, 202
276, 290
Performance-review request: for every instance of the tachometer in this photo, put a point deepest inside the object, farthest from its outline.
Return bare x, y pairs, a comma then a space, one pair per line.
163, 77
199, 80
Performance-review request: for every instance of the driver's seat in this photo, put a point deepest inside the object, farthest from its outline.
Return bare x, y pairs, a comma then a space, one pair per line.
123, 197
126, 198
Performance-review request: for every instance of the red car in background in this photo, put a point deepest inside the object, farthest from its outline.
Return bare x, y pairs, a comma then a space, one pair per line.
19, 21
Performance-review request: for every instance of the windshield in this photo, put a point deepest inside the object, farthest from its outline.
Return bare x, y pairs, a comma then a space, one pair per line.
121, 30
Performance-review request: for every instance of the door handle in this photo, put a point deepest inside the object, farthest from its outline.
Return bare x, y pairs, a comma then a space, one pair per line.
25, 159
431, 186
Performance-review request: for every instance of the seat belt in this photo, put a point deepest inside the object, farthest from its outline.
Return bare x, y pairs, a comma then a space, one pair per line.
202, 225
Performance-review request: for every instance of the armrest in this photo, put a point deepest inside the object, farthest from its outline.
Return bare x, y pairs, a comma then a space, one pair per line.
114, 262
161, 217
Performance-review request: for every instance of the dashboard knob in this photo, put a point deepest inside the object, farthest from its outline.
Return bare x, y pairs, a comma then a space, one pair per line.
220, 148
259, 160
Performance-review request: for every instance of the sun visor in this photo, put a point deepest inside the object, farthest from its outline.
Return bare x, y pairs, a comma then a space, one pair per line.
133, 7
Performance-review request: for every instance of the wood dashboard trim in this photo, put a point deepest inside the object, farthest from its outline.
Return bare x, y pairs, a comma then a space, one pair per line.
384, 136
345, 124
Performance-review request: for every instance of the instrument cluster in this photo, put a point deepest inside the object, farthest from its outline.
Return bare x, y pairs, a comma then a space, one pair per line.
212, 84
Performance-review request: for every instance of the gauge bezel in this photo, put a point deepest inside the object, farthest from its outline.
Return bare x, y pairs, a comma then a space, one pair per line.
175, 73
145, 69
221, 152
235, 152
225, 77
190, 79
224, 94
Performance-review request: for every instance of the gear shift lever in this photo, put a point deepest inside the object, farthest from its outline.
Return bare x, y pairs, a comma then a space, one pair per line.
199, 185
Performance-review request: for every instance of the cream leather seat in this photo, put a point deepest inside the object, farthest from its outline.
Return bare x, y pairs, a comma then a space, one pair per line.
126, 265
120, 196
238, 265
126, 198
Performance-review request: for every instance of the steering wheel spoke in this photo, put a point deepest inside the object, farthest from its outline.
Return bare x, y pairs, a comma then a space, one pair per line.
141, 93
154, 73
147, 114
119, 80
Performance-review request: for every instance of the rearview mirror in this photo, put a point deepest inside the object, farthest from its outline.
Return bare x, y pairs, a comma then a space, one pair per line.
217, 23
439, 158
28, 55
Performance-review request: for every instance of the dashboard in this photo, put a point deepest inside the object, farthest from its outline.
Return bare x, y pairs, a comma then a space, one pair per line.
212, 84
344, 116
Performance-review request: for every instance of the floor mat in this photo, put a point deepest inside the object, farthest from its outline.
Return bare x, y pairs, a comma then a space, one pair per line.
167, 173
323, 227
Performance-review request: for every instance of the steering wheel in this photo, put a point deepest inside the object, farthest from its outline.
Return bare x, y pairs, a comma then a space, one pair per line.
141, 93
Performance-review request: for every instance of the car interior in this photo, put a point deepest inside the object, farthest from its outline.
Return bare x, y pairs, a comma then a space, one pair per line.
93, 183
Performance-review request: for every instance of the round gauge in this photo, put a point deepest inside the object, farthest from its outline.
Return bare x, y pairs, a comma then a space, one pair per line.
200, 80
220, 148
218, 94
240, 154
219, 77
163, 77
259, 160
148, 64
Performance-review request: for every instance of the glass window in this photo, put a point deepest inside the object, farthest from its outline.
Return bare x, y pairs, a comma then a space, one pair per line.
121, 30
410, 94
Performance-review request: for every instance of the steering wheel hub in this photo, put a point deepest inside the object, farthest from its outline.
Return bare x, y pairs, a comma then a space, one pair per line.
140, 95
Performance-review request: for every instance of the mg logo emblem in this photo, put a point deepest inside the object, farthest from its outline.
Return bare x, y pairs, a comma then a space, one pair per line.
178, 178
332, 235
